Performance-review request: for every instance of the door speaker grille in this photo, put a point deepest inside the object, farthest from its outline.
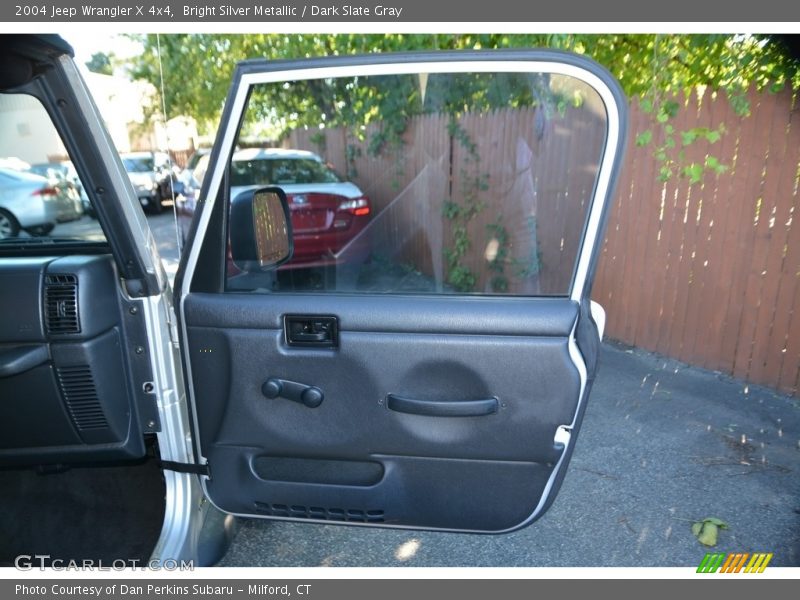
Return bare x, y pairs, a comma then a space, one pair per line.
80, 395
322, 514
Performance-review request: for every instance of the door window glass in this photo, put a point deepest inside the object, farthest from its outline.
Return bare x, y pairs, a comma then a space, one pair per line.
473, 183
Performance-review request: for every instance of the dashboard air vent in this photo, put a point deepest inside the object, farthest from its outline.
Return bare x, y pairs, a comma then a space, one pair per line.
61, 304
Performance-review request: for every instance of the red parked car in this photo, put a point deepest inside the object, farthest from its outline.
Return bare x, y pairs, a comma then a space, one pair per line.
328, 213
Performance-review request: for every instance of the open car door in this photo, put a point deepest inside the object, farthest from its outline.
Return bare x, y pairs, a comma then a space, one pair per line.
424, 360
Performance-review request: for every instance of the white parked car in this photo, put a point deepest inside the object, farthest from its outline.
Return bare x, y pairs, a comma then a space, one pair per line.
34, 203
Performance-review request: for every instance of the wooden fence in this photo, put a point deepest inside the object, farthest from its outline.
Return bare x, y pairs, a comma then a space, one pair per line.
709, 273
706, 273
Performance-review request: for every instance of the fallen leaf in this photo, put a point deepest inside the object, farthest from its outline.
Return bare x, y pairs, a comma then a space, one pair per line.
707, 530
718, 522
708, 534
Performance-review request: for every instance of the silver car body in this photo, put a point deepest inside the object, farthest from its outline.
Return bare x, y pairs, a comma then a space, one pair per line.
145, 181
21, 195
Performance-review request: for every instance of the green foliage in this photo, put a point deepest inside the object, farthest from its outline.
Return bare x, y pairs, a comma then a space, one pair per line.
462, 278
652, 68
198, 67
459, 275
352, 153
102, 63
675, 163
644, 138
497, 265
529, 266
320, 140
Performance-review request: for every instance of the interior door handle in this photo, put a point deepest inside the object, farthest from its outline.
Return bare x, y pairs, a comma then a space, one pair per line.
309, 337
442, 408
314, 331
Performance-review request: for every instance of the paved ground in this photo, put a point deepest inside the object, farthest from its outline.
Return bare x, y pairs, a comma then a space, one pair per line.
662, 444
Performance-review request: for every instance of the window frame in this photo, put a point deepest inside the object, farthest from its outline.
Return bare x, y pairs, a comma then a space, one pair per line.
253, 72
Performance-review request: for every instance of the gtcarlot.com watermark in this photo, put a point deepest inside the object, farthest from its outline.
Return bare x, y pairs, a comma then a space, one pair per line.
29, 562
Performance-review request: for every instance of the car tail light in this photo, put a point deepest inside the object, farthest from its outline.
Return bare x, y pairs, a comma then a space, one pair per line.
47, 191
357, 206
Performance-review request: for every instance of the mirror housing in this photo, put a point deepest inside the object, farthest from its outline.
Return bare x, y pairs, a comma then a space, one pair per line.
260, 229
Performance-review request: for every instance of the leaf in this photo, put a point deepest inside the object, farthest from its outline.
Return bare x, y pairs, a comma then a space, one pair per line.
774, 88
712, 162
671, 108
709, 534
687, 137
713, 136
718, 522
694, 172
707, 530
644, 138
646, 105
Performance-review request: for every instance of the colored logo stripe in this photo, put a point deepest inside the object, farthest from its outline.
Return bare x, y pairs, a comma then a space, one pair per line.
758, 563
711, 562
734, 562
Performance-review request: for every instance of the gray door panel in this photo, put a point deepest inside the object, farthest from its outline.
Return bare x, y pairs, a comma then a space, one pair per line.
414, 469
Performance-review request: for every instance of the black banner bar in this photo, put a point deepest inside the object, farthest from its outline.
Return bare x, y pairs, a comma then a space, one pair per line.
713, 586
399, 11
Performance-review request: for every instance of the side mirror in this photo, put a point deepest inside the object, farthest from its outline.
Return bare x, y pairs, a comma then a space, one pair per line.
261, 229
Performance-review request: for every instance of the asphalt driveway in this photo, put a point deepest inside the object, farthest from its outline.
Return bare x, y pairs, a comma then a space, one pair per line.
662, 445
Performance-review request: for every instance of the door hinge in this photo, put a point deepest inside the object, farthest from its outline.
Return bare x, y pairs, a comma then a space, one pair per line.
191, 468
172, 325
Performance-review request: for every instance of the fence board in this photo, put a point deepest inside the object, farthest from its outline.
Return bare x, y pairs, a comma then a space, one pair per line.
712, 290
752, 149
696, 311
647, 222
783, 151
677, 190
752, 243
687, 283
